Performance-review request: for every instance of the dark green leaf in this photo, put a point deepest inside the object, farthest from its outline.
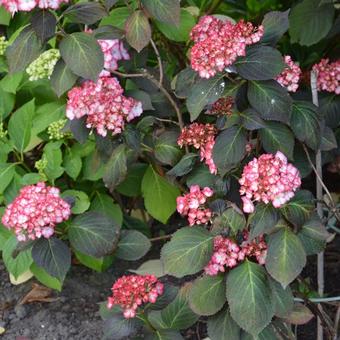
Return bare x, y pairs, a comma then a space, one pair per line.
108, 32
277, 137
185, 80
221, 327
251, 120
249, 297
167, 11
188, 251
44, 24
94, 234
328, 140
305, 123
283, 299
167, 150
82, 54
233, 219
184, 166
138, 30
25, 48
204, 92
207, 295
275, 25
47, 280
286, 256
157, 189
80, 198
229, 147
132, 245
260, 63
151, 267
309, 22
270, 99
330, 109
53, 256
85, 12
62, 78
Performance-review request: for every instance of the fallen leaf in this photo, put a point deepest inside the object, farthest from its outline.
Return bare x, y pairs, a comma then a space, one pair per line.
38, 293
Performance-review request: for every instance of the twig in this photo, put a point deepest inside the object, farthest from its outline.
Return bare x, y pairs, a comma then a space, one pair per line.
160, 65
160, 238
319, 195
319, 300
336, 323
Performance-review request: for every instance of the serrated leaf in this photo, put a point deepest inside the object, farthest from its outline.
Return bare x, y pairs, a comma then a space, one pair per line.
275, 25
305, 124
330, 108
309, 22
44, 24
286, 256
85, 12
233, 219
277, 137
229, 147
184, 82
167, 11
204, 92
81, 200
47, 280
300, 315
260, 63
138, 30
53, 256
132, 245
7, 171
188, 251
249, 298
283, 299
62, 78
82, 54
94, 234
207, 295
151, 267
299, 208
328, 140
222, 326
157, 189
270, 99
25, 48
251, 120
166, 148
184, 166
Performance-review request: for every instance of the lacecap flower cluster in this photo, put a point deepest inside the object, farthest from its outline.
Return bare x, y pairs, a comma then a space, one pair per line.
290, 76
328, 76
269, 178
200, 136
103, 104
35, 212
218, 44
192, 205
14, 6
228, 254
43, 66
131, 291
222, 107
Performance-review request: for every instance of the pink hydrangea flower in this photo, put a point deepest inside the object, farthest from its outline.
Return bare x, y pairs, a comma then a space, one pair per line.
218, 44
328, 76
113, 52
192, 205
14, 6
228, 254
103, 104
200, 136
270, 178
131, 291
290, 76
35, 212
221, 107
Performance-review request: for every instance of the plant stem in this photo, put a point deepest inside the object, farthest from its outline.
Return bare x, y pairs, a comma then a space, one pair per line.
319, 195
159, 60
160, 238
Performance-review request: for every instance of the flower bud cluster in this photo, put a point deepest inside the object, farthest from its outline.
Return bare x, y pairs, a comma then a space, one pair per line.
218, 44
328, 76
3, 45
103, 104
3, 132
43, 66
55, 132
222, 107
200, 136
270, 178
290, 76
113, 52
228, 254
35, 212
131, 291
192, 205
14, 6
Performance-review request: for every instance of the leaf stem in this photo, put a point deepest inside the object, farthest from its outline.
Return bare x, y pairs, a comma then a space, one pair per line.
159, 60
160, 238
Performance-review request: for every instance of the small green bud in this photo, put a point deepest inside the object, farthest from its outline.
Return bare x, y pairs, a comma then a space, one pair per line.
43, 66
3, 45
55, 130
3, 132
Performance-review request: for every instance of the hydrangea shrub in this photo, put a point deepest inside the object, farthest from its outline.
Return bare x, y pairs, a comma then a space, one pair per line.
190, 124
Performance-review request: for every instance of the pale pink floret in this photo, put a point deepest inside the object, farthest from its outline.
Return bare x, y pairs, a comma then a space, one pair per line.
14, 6
200, 136
228, 254
103, 104
193, 203
290, 76
270, 178
131, 291
218, 44
328, 76
35, 212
